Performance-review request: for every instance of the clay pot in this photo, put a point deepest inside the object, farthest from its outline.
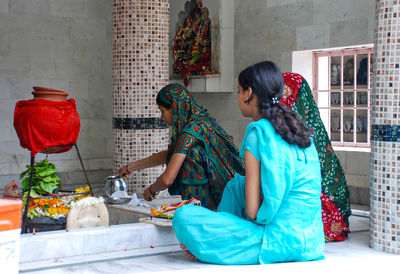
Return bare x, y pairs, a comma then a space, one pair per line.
47, 126
49, 94
52, 95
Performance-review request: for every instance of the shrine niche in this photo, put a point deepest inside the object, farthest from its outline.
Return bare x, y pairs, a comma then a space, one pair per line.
191, 46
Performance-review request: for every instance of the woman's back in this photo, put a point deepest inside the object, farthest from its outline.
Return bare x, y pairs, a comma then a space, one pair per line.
291, 207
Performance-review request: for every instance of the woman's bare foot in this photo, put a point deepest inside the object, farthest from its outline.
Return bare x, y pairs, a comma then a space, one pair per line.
188, 253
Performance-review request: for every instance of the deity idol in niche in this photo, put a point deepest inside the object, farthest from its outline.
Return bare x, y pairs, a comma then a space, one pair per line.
192, 43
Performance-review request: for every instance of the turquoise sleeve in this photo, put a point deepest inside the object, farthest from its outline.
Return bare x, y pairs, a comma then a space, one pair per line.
251, 143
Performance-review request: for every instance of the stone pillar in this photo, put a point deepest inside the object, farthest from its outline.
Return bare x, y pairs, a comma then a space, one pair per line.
385, 144
140, 70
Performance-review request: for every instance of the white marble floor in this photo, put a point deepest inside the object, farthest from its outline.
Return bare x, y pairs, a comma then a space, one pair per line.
353, 255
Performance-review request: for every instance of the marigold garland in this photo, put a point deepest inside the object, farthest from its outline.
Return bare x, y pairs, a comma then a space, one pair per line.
56, 207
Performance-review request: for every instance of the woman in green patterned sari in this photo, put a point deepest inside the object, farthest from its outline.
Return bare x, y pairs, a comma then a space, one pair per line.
335, 196
201, 157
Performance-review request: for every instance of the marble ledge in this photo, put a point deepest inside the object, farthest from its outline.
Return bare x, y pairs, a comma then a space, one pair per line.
98, 257
86, 241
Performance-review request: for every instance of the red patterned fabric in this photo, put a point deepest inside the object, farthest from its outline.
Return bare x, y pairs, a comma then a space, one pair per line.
42, 124
334, 227
293, 82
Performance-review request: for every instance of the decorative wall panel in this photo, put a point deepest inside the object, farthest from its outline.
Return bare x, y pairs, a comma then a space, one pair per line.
140, 70
385, 143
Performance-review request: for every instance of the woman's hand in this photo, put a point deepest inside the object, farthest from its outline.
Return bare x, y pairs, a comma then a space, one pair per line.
166, 178
125, 171
151, 161
148, 195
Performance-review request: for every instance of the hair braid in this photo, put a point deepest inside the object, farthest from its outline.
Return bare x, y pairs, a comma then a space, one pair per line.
266, 81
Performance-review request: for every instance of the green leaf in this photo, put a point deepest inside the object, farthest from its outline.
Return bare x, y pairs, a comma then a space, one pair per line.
46, 172
48, 187
44, 178
24, 173
38, 188
34, 194
32, 213
25, 184
47, 179
52, 180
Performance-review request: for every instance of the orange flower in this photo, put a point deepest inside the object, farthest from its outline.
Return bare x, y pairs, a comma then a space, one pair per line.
154, 212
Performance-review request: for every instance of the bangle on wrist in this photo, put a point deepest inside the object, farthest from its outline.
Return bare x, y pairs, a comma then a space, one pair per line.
127, 170
152, 194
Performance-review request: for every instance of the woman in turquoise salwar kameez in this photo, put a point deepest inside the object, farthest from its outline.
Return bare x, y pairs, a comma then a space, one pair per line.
273, 213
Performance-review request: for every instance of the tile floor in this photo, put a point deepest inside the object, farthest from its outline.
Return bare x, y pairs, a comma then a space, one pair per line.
351, 255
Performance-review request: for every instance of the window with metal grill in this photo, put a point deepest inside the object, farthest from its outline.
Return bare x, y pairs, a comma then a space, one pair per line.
342, 87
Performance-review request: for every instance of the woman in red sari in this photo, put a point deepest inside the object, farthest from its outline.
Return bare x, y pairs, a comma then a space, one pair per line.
335, 195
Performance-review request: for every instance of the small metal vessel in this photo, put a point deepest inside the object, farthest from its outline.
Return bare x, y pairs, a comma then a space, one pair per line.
122, 200
114, 183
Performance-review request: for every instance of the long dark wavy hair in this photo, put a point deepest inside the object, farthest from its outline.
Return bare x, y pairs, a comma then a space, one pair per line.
266, 82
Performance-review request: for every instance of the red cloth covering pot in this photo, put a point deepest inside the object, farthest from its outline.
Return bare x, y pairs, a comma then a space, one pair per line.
44, 124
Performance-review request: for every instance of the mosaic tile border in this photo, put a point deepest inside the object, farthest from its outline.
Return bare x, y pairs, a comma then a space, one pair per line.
139, 123
386, 133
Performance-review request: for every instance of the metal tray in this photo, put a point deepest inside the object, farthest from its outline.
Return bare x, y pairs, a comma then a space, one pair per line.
111, 200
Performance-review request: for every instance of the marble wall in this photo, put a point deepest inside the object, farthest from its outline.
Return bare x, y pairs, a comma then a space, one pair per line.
64, 45
272, 29
356, 165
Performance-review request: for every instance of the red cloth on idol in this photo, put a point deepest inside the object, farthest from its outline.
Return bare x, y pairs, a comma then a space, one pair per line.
42, 124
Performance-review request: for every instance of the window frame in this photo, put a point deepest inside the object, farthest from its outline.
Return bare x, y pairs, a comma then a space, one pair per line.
354, 51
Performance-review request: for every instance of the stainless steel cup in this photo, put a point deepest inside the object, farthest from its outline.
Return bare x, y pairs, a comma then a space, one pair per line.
114, 183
